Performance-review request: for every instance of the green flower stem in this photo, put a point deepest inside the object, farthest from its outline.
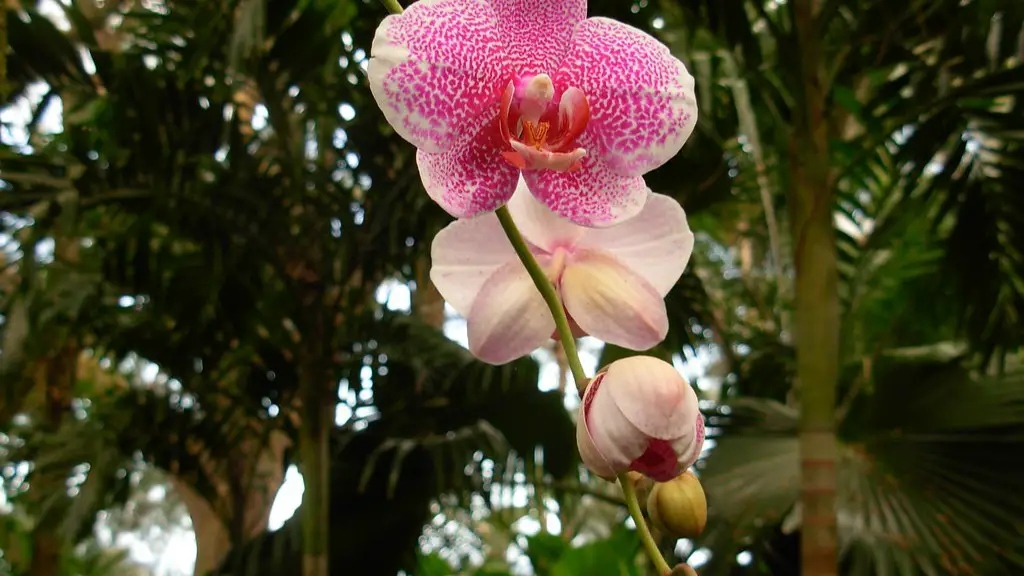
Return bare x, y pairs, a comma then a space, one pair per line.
393, 6
641, 526
547, 290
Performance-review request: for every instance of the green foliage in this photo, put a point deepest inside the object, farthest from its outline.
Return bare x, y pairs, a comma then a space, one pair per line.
616, 555
928, 479
243, 255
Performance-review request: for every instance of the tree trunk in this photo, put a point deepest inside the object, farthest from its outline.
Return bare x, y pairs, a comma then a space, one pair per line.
260, 466
817, 316
428, 303
55, 377
317, 417
213, 542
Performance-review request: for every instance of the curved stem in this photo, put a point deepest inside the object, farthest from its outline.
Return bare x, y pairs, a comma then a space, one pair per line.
547, 290
393, 6
641, 526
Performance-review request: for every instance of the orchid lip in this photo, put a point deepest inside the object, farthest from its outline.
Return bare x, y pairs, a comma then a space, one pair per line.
541, 124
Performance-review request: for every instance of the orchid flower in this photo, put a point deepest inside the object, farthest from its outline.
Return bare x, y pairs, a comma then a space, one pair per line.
640, 414
611, 281
486, 90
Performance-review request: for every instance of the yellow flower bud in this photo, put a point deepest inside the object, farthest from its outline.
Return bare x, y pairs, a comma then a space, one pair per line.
678, 507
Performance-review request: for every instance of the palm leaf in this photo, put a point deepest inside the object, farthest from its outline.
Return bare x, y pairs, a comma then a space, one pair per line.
928, 482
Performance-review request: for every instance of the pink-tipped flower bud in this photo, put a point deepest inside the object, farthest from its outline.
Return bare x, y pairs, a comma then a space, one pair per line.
639, 414
678, 507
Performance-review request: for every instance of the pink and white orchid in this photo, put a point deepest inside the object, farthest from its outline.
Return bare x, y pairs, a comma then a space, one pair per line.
486, 89
639, 414
611, 281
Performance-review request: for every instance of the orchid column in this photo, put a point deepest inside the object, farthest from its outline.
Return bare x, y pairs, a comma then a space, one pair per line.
531, 104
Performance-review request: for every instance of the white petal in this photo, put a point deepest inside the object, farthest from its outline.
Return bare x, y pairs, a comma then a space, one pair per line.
465, 255
540, 226
656, 243
509, 318
612, 303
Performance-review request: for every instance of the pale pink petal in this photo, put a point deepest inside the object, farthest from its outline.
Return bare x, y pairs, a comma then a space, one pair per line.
537, 33
612, 303
653, 396
613, 437
592, 196
435, 67
589, 453
540, 226
656, 243
463, 257
689, 445
642, 101
472, 177
509, 318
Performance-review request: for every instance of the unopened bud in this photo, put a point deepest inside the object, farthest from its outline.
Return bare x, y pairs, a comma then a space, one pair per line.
683, 570
678, 507
639, 414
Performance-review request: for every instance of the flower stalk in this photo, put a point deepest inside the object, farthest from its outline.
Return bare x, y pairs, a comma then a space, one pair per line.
393, 6
650, 546
568, 341
547, 290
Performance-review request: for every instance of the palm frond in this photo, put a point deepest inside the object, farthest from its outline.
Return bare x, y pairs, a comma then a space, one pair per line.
927, 476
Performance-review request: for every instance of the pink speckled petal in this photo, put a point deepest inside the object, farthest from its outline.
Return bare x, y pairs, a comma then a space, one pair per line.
656, 243
537, 33
472, 177
611, 302
642, 101
463, 257
509, 318
435, 67
653, 396
540, 226
592, 196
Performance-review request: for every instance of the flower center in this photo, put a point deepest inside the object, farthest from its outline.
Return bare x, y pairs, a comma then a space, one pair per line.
554, 268
541, 124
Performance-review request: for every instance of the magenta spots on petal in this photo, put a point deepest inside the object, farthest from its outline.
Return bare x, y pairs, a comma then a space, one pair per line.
700, 430
642, 102
658, 461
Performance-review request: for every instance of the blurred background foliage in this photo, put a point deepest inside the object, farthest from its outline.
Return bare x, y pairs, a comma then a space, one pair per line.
210, 238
